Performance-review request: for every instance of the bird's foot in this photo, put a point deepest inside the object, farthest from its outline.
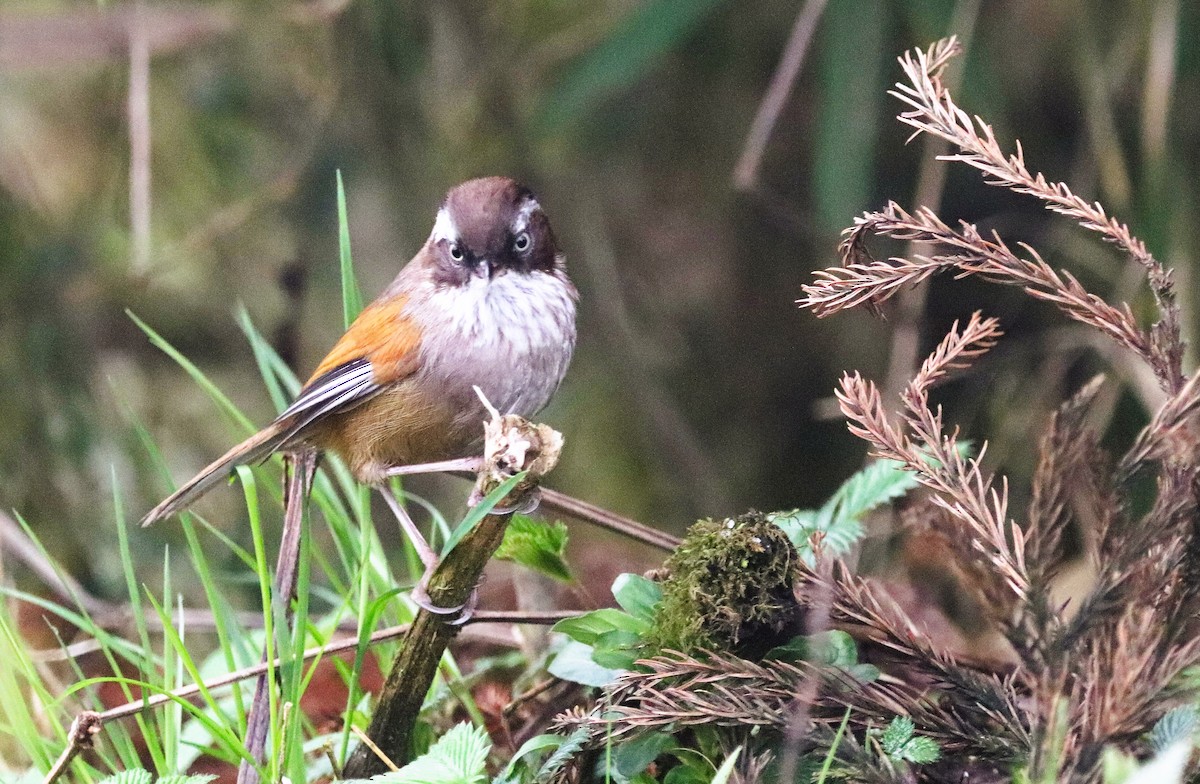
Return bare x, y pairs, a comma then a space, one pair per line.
420, 596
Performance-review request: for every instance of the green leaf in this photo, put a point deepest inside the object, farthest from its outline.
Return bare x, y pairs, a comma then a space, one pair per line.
524, 756
130, 777
588, 627
538, 546
617, 649
833, 648
624, 57
1175, 725
850, 62
921, 751
637, 595
831, 754
138, 776
726, 770
873, 486
635, 755
899, 731
569, 749
481, 510
220, 398
688, 774
900, 743
458, 757
352, 303
574, 663
1166, 767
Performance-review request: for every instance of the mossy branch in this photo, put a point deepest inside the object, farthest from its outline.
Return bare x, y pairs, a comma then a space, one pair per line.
513, 445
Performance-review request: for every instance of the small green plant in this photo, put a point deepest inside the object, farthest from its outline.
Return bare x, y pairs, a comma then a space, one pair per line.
142, 776
901, 743
458, 757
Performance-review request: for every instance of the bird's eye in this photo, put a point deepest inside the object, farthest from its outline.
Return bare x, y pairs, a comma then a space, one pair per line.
456, 252
522, 242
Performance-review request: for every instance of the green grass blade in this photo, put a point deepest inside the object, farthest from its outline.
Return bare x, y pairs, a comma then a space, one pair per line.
223, 402
481, 510
629, 52
282, 384
352, 303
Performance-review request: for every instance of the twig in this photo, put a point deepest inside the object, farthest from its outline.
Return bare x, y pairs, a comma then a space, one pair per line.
16, 542
512, 445
139, 140
92, 721
303, 465
745, 175
83, 732
370, 744
611, 521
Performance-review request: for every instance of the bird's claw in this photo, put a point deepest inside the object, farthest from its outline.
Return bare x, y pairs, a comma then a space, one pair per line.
464, 611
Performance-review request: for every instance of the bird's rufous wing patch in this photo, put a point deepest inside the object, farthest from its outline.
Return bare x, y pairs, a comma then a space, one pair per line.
382, 335
379, 348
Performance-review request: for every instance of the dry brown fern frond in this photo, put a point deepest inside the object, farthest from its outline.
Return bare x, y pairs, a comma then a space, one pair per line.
1105, 675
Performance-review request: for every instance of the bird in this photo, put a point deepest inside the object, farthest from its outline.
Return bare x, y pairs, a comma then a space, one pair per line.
486, 302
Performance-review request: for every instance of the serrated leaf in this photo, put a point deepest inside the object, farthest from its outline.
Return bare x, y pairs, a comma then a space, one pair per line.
458, 757
838, 521
873, 486
920, 751
898, 732
1175, 725
135, 776
523, 756
538, 546
637, 595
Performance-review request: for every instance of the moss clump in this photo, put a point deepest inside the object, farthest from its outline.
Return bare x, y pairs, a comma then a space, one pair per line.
729, 588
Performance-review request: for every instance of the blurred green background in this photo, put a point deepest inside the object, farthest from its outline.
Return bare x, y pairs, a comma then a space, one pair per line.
698, 387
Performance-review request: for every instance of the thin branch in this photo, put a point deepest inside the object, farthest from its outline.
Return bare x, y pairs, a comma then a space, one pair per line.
745, 174
92, 721
611, 521
139, 140
302, 466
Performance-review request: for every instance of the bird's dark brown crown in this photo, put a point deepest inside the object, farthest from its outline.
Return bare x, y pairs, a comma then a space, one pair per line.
492, 224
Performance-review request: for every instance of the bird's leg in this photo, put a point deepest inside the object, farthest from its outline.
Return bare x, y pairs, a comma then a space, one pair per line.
430, 560
470, 464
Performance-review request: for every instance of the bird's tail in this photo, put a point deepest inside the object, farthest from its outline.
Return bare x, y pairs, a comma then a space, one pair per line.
253, 449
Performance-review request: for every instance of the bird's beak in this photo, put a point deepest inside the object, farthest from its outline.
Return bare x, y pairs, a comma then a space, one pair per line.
487, 268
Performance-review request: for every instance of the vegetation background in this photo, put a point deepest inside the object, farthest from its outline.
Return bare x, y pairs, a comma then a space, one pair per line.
698, 388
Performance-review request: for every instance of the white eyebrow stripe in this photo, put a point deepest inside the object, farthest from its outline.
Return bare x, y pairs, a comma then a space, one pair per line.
443, 227
528, 208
